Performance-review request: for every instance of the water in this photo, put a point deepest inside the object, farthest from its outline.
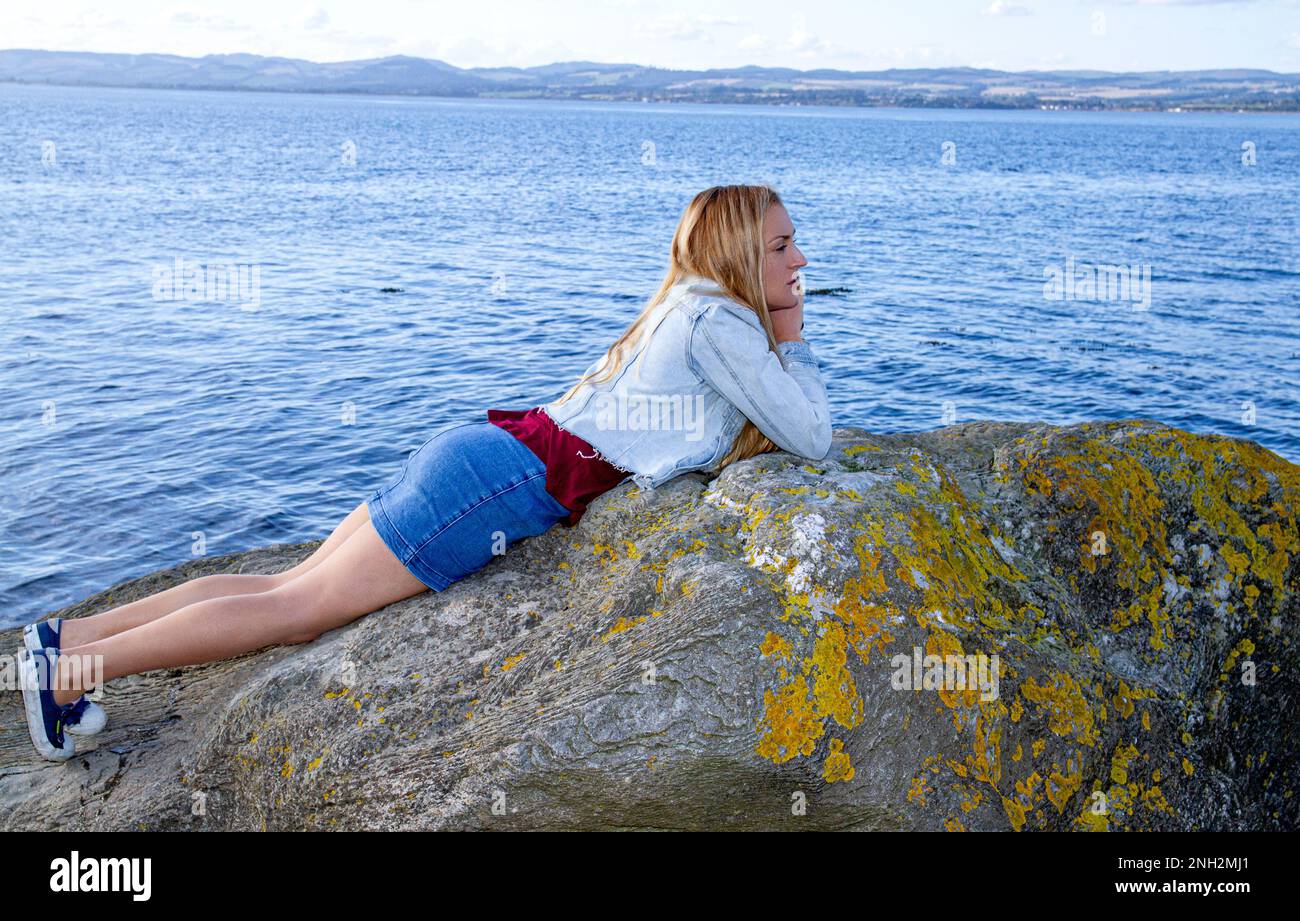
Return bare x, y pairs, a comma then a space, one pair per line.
522, 237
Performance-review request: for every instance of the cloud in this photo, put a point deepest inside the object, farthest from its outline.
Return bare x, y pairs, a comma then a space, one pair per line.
801, 41
1188, 2
1003, 8
683, 28
208, 23
902, 56
807, 44
318, 20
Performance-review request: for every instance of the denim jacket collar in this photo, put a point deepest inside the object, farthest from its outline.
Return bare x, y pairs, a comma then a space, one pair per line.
702, 284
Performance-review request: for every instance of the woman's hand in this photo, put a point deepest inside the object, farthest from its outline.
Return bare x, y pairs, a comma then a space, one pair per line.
787, 322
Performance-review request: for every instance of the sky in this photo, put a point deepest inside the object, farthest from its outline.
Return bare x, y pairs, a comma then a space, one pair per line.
1119, 35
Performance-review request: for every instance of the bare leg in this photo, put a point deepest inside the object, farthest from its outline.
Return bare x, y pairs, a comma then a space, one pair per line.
82, 630
361, 576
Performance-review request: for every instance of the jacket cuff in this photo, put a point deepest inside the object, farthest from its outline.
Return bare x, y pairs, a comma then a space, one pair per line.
797, 351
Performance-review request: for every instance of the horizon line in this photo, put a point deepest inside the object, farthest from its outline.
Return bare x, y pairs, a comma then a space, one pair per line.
512, 67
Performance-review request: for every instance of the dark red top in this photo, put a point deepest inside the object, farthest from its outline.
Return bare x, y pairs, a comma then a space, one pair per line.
575, 472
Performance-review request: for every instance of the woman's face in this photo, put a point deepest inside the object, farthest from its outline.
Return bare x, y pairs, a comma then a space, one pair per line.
781, 259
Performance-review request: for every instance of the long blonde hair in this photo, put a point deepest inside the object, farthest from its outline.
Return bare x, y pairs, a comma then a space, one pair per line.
720, 237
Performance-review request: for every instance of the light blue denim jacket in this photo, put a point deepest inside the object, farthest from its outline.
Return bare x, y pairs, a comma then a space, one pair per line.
701, 367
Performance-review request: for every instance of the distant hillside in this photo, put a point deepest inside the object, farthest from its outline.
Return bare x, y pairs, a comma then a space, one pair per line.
948, 87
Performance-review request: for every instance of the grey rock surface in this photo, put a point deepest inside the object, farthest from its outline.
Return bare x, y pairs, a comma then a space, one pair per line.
735, 652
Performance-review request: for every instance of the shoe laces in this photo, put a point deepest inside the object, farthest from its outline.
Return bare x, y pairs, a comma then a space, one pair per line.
71, 713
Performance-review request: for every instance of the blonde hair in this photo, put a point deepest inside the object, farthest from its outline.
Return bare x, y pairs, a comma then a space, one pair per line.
720, 237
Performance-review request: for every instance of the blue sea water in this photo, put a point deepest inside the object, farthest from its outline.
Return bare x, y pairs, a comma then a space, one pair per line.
421, 260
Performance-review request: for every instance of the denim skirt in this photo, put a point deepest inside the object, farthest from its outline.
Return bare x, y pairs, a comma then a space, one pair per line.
460, 499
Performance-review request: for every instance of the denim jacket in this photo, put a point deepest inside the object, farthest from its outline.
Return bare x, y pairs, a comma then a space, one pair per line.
700, 368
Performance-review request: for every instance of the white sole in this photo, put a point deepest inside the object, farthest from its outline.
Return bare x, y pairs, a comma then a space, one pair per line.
29, 680
93, 715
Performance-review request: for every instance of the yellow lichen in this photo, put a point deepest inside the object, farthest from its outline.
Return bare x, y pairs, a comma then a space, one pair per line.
838, 765
1015, 813
834, 692
790, 725
1119, 762
773, 644
622, 625
1061, 785
1067, 709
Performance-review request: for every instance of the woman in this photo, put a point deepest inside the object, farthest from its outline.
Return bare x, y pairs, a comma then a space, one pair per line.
712, 371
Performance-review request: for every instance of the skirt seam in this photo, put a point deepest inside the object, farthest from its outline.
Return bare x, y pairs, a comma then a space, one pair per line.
409, 559
389, 525
462, 514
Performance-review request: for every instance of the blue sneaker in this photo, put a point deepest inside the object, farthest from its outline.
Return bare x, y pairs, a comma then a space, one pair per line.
44, 716
43, 635
87, 717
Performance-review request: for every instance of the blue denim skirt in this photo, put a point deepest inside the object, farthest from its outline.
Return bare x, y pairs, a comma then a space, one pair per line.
460, 499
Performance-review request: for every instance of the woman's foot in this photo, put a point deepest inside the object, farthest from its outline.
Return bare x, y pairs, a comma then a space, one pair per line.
45, 718
86, 717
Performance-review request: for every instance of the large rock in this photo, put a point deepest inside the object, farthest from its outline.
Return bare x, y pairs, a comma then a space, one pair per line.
720, 654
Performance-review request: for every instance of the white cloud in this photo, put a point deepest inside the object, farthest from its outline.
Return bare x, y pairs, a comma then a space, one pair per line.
1188, 2
208, 23
683, 28
805, 43
801, 41
1003, 8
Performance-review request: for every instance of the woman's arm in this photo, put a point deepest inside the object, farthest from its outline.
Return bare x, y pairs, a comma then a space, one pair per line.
788, 404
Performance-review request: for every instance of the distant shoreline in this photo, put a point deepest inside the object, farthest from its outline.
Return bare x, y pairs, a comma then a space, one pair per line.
937, 105
1224, 90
